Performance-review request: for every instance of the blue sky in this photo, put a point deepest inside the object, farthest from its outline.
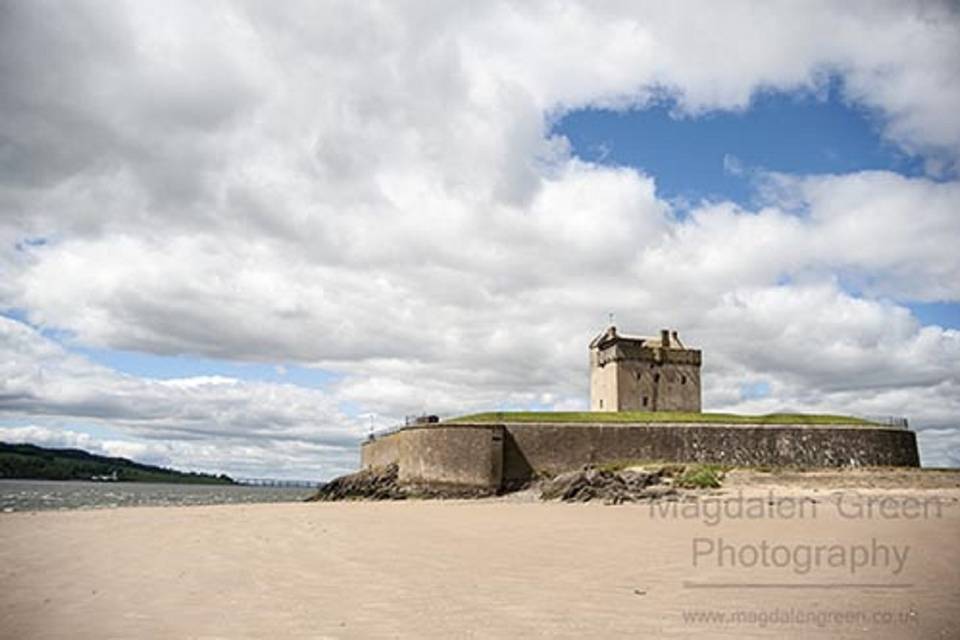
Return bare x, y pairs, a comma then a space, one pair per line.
717, 156
797, 132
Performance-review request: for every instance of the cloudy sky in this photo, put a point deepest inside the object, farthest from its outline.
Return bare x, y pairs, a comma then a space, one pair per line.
236, 235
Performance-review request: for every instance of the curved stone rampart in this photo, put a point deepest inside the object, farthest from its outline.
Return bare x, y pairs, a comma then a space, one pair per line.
453, 455
380, 451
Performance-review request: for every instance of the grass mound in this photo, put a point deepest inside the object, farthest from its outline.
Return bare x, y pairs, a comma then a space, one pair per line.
661, 417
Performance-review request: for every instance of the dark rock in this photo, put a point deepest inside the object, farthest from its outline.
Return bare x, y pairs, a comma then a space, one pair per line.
382, 484
613, 487
584, 485
366, 484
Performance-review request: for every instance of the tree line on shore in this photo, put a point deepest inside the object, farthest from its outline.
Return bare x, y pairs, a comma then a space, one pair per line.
31, 462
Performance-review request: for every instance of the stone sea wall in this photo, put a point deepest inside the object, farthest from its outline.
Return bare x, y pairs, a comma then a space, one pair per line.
491, 455
558, 447
382, 451
460, 455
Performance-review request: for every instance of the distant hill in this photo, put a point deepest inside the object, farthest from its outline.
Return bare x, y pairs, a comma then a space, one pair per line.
27, 461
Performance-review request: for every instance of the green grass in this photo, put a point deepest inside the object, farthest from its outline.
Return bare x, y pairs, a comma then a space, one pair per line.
687, 476
660, 417
702, 476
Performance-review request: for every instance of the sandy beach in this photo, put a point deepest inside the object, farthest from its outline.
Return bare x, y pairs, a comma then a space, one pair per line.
493, 568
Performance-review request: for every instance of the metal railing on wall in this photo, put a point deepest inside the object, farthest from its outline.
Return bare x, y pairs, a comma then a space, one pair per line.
896, 422
408, 421
380, 433
893, 422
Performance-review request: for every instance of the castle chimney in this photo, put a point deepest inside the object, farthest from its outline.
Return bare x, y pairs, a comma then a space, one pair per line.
665, 338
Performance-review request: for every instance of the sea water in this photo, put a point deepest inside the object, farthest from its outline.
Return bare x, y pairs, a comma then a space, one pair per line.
44, 495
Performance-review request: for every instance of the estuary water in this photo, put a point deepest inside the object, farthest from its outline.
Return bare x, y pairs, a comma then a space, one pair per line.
46, 495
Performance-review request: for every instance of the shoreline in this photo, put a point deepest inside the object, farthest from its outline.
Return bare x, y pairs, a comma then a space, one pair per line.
782, 481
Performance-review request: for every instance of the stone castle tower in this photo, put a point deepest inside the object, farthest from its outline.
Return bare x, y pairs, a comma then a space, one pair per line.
643, 374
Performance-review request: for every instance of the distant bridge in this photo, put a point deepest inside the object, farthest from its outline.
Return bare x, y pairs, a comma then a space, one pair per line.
274, 482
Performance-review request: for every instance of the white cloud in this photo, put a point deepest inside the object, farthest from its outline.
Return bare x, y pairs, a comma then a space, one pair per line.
51, 437
198, 421
373, 189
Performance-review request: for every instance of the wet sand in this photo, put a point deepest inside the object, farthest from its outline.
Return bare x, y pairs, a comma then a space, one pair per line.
496, 568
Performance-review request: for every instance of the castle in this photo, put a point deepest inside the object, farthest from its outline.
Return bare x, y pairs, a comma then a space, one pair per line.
627, 374
643, 374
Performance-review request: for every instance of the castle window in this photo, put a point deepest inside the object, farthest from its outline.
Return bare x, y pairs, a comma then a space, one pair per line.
644, 400
683, 379
656, 377
601, 403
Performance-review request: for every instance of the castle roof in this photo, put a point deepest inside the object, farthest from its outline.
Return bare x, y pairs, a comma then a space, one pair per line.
610, 336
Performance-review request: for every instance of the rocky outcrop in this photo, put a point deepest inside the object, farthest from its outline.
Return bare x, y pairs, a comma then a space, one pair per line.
612, 487
377, 483
382, 483
584, 485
